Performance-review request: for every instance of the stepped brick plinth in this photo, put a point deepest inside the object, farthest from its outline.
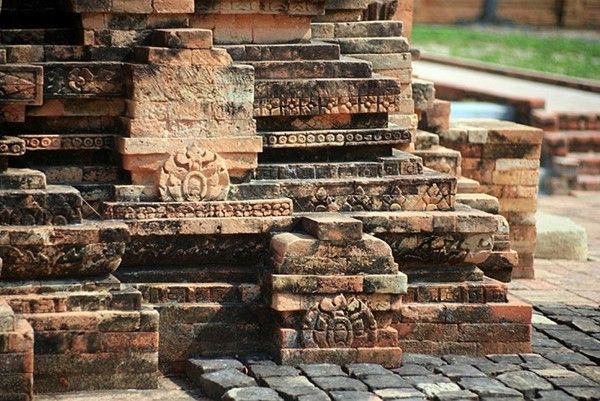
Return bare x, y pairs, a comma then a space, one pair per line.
89, 335
333, 288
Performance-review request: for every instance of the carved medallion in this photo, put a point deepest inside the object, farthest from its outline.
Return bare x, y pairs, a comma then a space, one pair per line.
337, 323
193, 175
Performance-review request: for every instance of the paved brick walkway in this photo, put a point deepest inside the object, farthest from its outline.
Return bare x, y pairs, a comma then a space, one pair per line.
567, 282
558, 98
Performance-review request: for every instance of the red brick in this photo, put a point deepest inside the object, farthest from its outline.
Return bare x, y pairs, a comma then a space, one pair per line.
135, 342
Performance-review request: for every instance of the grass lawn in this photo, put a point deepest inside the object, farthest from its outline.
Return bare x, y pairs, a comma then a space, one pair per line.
566, 56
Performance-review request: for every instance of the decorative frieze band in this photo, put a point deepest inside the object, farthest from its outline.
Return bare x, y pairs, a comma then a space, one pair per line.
75, 142
21, 84
324, 138
91, 79
265, 107
216, 209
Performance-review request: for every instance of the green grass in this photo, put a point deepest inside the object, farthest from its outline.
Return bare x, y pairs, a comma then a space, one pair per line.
566, 56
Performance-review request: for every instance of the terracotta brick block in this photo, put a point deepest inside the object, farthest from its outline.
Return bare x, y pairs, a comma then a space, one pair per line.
132, 6
138, 342
515, 312
173, 6
501, 332
427, 331
518, 205
499, 347
183, 38
161, 55
516, 177
439, 348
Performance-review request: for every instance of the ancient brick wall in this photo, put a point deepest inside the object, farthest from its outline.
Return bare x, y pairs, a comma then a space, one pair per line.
569, 13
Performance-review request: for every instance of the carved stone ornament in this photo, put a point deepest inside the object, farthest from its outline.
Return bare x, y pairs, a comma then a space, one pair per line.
337, 323
193, 175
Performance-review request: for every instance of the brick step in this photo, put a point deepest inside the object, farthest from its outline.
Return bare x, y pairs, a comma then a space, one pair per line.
19, 178
423, 93
375, 45
74, 301
378, 85
426, 140
560, 143
393, 135
56, 204
88, 249
183, 38
588, 163
441, 159
467, 186
284, 52
39, 53
180, 341
344, 68
213, 292
192, 313
400, 164
356, 29
484, 202
429, 191
36, 36
188, 274
82, 174
588, 182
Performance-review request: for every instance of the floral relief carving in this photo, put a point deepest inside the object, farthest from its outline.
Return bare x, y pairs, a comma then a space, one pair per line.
79, 78
338, 322
193, 175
